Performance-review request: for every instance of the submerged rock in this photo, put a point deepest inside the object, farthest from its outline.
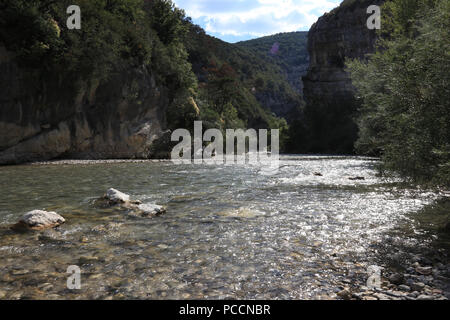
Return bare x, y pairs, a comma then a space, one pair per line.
39, 220
151, 209
357, 178
114, 197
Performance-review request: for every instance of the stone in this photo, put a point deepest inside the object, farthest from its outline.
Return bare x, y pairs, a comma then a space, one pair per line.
417, 286
116, 197
109, 227
51, 235
149, 210
345, 294
87, 260
396, 279
39, 220
396, 294
425, 297
404, 288
426, 271
318, 174
382, 296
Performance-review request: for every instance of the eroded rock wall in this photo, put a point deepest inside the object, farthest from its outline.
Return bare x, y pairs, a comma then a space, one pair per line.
330, 97
116, 118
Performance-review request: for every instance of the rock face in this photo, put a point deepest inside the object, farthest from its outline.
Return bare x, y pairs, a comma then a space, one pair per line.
339, 35
39, 220
116, 118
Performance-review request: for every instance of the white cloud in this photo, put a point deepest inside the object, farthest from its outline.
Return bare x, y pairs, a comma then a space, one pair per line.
255, 17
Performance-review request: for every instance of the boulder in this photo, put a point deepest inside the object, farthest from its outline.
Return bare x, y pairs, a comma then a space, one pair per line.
39, 220
150, 210
116, 197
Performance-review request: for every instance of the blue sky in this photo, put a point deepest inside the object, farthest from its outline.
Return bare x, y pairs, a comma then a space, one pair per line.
236, 20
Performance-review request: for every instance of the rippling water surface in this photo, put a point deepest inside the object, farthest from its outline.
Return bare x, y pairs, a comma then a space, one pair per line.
229, 232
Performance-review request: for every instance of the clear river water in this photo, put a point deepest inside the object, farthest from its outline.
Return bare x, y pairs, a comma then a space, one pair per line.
229, 232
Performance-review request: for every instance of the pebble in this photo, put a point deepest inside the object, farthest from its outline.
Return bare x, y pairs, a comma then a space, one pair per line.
404, 288
414, 294
426, 271
345, 294
425, 297
382, 296
417, 286
87, 260
397, 279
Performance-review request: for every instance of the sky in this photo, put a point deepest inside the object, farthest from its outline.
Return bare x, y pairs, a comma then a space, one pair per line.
238, 20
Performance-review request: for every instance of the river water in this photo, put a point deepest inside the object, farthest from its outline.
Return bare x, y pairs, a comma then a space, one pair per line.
229, 231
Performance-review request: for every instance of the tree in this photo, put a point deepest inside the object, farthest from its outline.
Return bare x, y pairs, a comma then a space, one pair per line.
405, 91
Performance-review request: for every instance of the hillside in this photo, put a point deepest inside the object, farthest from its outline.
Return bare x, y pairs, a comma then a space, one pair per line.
117, 87
286, 50
257, 75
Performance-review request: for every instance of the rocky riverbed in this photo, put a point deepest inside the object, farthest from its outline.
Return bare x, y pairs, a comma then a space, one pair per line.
228, 232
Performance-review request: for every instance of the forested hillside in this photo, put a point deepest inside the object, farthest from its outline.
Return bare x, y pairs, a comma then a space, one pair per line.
248, 80
287, 50
134, 70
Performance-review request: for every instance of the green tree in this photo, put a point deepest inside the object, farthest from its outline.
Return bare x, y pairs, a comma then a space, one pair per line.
405, 91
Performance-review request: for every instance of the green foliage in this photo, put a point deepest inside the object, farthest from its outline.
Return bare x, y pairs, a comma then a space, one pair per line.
290, 54
112, 36
239, 83
115, 35
167, 20
405, 91
204, 78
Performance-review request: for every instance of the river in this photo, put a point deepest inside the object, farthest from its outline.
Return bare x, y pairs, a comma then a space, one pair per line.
229, 232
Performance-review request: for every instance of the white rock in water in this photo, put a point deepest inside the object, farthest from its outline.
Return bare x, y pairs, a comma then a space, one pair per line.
115, 196
38, 220
151, 209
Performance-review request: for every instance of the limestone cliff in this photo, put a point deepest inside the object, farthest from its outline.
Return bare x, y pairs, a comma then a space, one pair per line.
39, 120
339, 35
